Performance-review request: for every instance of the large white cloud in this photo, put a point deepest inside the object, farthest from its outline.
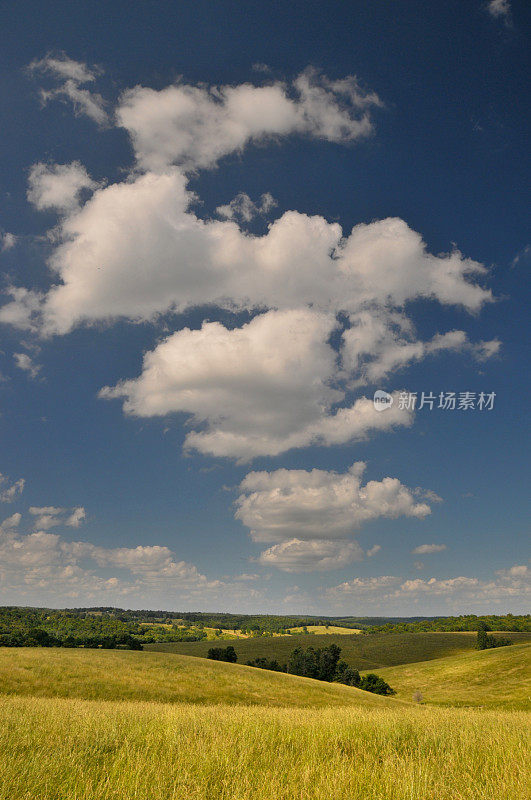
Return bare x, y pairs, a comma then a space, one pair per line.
136, 249
195, 126
311, 515
319, 504
261, 389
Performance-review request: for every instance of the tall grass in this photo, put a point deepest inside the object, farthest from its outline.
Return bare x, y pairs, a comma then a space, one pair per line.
63, 749
486, 678
128, 675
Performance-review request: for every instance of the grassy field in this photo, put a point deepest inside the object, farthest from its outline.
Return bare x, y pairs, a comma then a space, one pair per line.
60, 749
123, 725
157, 677
363, 652
337, 629
486, 678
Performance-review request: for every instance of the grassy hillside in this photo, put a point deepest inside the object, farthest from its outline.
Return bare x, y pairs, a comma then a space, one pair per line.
57, 749
76, 726
127, 675
487, 678
362, 652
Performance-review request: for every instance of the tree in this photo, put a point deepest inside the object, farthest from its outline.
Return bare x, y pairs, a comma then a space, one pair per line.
223, 654
264, 663
346, 674
483, 638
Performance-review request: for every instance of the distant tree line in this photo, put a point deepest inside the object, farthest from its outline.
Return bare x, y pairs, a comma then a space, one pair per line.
81, 628
468, 622
320, 663
37, 637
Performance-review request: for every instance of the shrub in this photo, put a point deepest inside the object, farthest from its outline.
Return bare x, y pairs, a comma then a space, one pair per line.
373, 683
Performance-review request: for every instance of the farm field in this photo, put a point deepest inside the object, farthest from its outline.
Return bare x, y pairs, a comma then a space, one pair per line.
362, 652
488, 678
331, 629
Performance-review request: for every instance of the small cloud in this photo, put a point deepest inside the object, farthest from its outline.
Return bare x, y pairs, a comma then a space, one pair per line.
74, 74
418, 565
25, 363
10, 493
77, 516
516, 571
522, 256
500, 9
7, 241
427, 494
51, 516
58, 186
424, 549
10, 523
374, 549
243, 208
260, 67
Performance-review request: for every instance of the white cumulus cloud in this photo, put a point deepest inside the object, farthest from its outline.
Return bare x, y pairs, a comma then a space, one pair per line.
195, 126
311, 515
58, 186
318, 504
261, 389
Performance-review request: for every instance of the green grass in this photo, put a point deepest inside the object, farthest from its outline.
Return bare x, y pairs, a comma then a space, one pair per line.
363, 652
487, 678
57, 749
157, 677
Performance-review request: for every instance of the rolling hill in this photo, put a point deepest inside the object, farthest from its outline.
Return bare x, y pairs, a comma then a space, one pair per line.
486, 678
363, 652
125, 725
140, 676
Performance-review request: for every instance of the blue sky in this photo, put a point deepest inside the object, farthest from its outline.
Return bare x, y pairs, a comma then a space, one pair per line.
223, 227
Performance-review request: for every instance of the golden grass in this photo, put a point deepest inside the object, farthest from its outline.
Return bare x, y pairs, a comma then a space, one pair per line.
487, 678
319, 629
146, 676
60, 749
